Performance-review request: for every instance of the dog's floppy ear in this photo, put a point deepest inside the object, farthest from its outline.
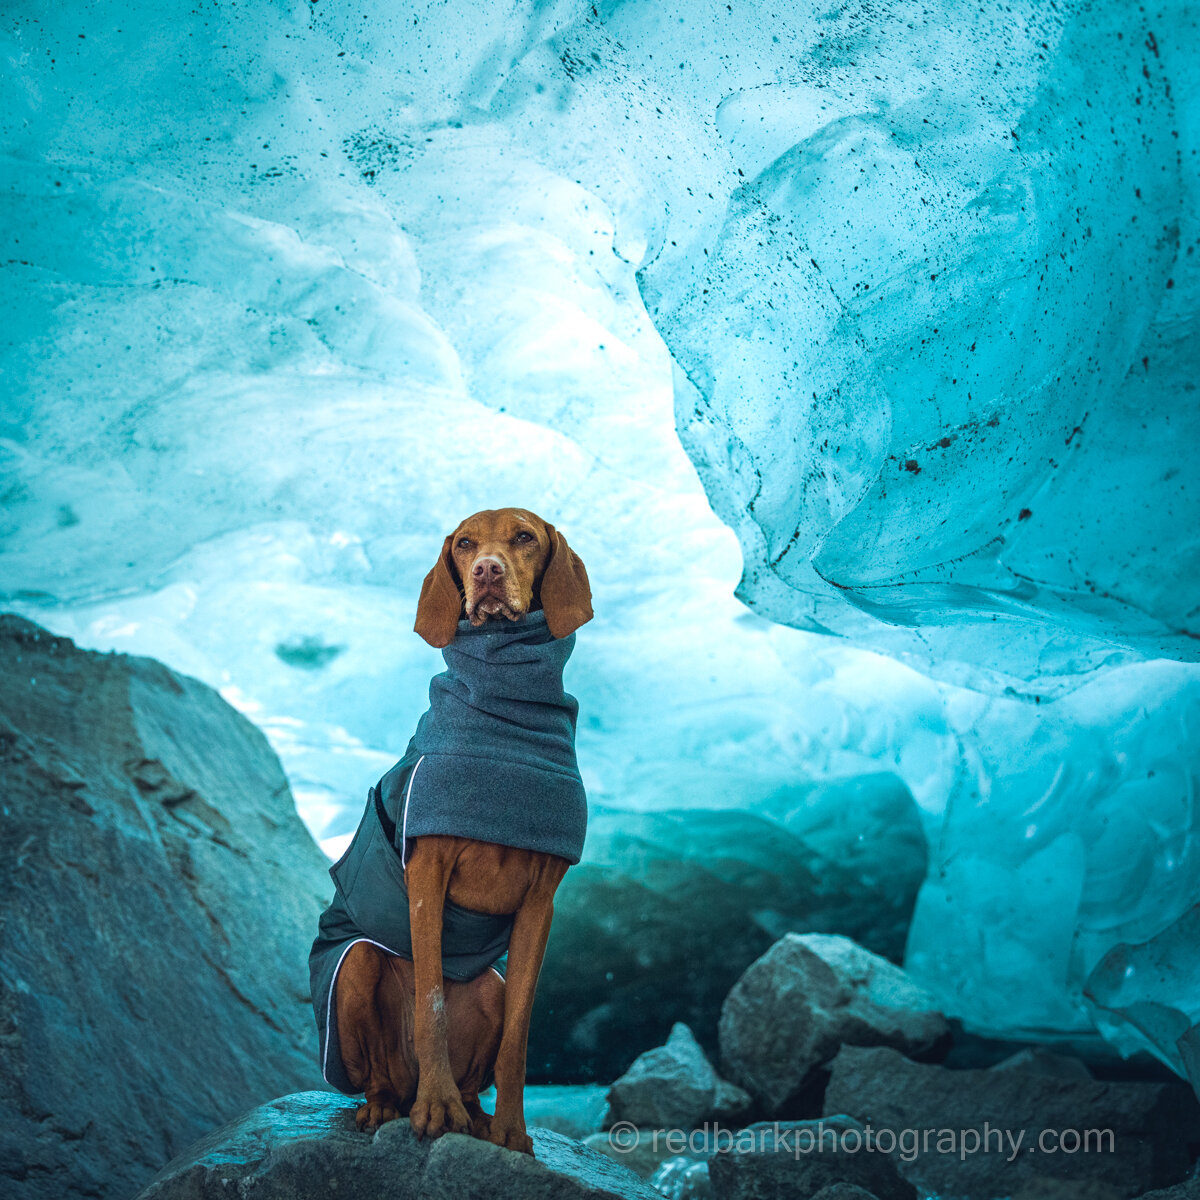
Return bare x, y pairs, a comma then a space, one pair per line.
566, 594
441, 601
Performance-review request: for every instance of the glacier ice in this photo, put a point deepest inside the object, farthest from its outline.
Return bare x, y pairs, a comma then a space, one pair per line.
1071, 829
290, 287
262, 352
938, 364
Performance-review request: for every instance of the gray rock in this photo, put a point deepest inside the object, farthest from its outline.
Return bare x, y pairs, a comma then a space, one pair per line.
800, 1159
669, 908
675, 1087
306, 1147
808, 995
1045, 1062
1151, 1124
161, 895
843, 1191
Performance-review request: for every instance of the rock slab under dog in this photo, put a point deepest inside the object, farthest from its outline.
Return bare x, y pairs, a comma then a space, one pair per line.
306, 1147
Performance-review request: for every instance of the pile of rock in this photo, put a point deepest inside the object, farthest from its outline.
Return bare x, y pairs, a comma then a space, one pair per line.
821, 1029
817, 1021
820, 1094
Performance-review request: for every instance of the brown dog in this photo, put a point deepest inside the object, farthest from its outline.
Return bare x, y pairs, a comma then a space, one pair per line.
411, 1039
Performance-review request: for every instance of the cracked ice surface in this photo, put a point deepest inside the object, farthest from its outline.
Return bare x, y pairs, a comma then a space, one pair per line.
289, 288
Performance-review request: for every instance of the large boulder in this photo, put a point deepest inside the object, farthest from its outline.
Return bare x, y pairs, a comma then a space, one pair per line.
675, 1087
1004, 1131
306, 1147
669, 908
801, 1159
807, 996
161, 895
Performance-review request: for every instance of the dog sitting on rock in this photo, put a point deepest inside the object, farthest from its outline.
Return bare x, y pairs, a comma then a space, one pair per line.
462, 847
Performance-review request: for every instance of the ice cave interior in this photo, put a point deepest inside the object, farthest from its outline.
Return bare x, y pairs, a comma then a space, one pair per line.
854, 350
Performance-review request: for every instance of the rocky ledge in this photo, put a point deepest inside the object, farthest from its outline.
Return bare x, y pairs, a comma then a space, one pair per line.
306, 1147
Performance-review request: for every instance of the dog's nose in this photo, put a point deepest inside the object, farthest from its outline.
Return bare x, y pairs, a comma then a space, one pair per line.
487, 569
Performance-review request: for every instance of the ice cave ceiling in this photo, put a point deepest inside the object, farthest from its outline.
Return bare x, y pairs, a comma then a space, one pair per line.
898, 300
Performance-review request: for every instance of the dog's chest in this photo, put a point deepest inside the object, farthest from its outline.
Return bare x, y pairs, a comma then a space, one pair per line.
494, 879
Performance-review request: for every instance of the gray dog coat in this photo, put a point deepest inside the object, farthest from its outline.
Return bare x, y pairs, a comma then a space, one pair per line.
492, 759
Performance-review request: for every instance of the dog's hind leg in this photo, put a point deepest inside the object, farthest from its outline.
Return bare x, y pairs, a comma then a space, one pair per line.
374, 1015
375, 998
475, 1016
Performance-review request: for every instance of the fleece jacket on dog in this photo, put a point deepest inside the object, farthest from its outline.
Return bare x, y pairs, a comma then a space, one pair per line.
493, 759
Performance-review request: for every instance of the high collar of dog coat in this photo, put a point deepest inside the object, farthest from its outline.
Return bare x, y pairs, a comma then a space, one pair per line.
497, 744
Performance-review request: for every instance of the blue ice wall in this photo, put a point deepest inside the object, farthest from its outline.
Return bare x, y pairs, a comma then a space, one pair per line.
287, 289
939, 358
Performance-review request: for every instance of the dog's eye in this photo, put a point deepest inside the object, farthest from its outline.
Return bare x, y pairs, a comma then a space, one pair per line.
464, 543
523, 536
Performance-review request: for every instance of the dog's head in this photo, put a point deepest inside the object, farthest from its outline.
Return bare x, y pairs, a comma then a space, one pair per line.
503, 562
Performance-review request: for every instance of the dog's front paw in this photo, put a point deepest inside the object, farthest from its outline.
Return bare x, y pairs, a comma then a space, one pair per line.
510, 1134
438, 1110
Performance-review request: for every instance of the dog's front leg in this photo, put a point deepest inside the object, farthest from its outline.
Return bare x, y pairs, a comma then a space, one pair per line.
438, 1107
526, 948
